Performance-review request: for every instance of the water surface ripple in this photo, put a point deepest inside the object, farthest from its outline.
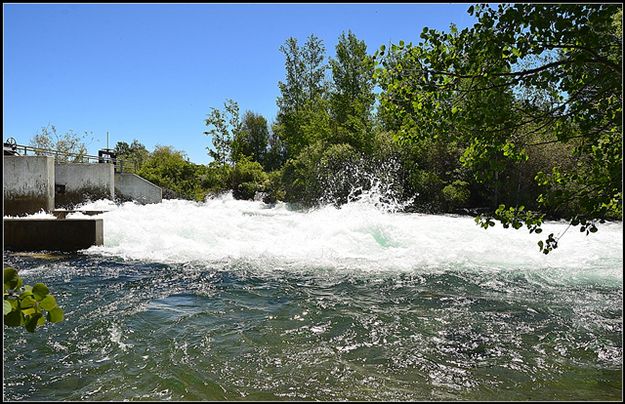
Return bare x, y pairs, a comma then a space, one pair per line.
239, 301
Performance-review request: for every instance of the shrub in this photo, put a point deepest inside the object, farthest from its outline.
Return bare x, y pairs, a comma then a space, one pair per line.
456, 194
247, 178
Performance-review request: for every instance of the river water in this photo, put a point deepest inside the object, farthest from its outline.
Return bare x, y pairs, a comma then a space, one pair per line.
238, 300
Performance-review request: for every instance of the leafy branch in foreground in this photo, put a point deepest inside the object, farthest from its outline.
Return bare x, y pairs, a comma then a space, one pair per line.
28, 306
522, 78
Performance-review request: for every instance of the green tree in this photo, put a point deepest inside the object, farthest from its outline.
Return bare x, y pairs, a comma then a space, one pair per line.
313, 55
352, 94
69, 147
276, 153
302, 104
471, 86
130, 157
171, 169
246, 178
214, 178
223, 127
251, 141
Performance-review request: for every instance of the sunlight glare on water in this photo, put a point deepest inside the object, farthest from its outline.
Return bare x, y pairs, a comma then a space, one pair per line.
230, 300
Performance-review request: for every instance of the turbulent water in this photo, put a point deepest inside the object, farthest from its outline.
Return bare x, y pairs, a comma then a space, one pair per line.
239, 300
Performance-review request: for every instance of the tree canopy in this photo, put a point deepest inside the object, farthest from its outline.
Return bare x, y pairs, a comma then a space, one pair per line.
523, 77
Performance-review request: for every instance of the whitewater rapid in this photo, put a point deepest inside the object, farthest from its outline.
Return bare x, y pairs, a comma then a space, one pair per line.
358, 235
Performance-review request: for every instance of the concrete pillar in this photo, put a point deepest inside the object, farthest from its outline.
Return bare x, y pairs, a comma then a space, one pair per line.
79, 182
28, 184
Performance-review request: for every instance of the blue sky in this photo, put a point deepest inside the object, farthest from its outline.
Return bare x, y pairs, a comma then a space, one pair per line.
153, 71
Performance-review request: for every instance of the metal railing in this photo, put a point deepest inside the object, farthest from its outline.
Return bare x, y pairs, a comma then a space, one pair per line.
68, 157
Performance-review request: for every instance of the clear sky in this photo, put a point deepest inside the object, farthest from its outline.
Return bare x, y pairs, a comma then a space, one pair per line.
153, 71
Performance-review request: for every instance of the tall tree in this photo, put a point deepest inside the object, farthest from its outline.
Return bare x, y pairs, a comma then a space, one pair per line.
352, 94
302, 106
223, 129
251, 141
292, 89
313, 55
131, 156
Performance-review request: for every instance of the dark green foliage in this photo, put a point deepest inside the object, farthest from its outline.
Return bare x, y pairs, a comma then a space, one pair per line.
299, 177
351, 96
169, 168
28, 306
274, 191
247, 178
275, 155
251, 141
328, 174
130, 157
214, 178
522, 78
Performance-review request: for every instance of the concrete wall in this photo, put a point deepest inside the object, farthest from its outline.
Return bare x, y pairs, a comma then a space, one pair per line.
28, 184
50, 234
132, 187
79, 182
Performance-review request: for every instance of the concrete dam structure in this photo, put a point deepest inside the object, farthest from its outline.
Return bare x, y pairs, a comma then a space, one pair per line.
32, 184
28, 184
35, 183
76, 183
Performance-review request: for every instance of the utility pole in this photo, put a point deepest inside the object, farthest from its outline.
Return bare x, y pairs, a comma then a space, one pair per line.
107, 140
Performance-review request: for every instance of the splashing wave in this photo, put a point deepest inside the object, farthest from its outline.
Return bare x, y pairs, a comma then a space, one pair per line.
363, 234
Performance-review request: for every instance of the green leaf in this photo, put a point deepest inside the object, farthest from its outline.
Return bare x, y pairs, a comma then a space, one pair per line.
29, 311
6, 307
27, 302
25, 294
40, 291
11, 279
31, 322
9, 274
48, 303
55, 315
14, 318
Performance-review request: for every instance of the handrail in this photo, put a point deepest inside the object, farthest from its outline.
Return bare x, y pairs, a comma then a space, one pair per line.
78, 157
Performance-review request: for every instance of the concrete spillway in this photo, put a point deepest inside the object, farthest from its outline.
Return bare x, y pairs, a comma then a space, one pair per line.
39, 183
26, 234
35, 183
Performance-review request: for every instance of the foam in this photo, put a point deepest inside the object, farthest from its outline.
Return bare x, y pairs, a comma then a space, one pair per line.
359, 235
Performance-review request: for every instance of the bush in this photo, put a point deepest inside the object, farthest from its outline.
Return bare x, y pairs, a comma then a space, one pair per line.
299, 176
214, 178
169, 168
247, 178
456, 194
426, 186
274, 191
